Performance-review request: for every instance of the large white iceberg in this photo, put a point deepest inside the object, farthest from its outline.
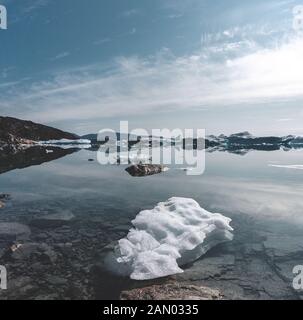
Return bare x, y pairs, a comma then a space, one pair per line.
174, 233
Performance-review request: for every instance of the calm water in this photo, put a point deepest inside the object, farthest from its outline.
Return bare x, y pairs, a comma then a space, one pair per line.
264, 202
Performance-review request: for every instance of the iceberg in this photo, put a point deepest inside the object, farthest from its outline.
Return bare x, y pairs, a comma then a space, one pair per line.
66, 143
169, 236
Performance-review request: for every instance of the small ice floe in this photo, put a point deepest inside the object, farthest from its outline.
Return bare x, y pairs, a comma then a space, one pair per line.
66, 143
173, 234
49, 151
288, 166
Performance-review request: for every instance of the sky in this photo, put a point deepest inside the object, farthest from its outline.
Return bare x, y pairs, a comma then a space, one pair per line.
224, 66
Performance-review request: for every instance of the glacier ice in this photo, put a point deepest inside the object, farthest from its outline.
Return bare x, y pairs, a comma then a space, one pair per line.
172, 234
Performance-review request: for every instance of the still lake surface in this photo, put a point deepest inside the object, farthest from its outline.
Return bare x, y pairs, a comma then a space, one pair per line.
264, 201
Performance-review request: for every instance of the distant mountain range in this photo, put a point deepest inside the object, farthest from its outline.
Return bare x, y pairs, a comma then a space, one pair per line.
16, 132
246, 140
241, 143
93, 137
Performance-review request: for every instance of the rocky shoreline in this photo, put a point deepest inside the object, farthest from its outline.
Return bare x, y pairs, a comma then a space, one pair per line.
59, 256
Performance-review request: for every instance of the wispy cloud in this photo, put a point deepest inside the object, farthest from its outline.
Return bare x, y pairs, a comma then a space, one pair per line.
246, 73
130, 13
284, 120
25, 9
61, 55
101, 41
175, 15
34, 5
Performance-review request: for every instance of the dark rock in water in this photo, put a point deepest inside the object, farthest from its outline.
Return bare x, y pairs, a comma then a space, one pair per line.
4, 197
20, 252
172, 291
14, 231
23, 251
53, 220
142, 170
12, 129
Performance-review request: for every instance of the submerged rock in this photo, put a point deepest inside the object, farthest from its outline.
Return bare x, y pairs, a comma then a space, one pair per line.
3, 198
53, 220
172, 291
14, 231
27, 250
23, 251
142, 170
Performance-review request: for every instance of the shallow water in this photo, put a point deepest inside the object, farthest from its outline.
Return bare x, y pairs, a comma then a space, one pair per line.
265, 203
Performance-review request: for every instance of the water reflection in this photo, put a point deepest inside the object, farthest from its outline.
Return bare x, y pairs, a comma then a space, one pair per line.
264, 202
27, 157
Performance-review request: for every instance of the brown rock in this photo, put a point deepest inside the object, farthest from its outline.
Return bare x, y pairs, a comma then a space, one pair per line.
172, 291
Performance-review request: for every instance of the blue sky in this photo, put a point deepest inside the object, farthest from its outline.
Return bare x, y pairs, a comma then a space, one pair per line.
222, 65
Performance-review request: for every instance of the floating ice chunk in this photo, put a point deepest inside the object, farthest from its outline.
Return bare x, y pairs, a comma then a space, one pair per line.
174, 233
65, 141
293, 166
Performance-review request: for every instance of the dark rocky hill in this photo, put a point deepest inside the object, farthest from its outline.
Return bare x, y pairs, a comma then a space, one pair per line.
12, 129
16, 132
